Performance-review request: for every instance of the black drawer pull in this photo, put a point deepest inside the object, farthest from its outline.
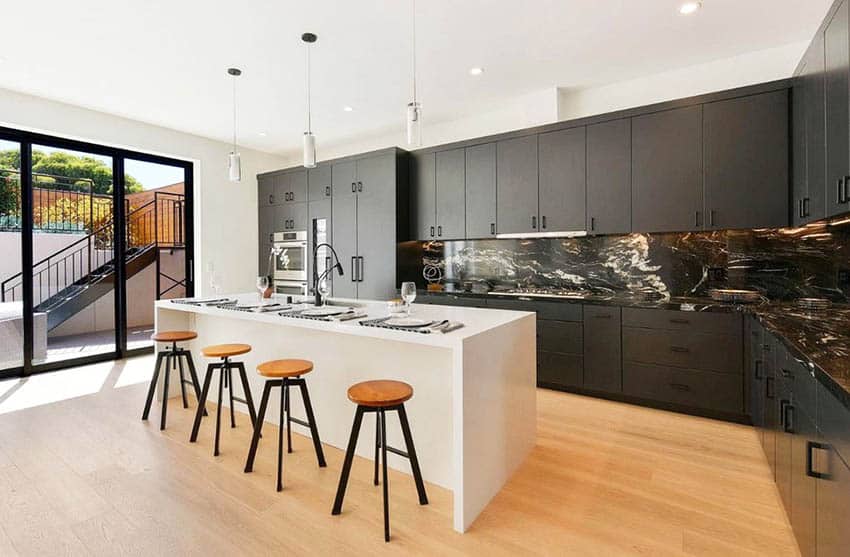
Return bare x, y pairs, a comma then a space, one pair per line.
680, 321
789, 418
758, 371
810, 465
679, 349
603, 316
680, 387
492, 228
786, 373
768, 391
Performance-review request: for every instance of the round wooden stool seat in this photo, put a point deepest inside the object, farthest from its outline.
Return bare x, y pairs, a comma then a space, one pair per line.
381, 393
225, 350
285, 368
173, 336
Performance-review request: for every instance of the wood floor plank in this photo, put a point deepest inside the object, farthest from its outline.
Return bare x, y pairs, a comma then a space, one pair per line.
87, 476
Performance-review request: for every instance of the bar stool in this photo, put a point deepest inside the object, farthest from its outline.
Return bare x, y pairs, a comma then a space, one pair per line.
380, 397
283, 374
173, 357
225, 380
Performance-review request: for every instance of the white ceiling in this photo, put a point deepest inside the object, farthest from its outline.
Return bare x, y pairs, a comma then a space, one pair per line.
164, 61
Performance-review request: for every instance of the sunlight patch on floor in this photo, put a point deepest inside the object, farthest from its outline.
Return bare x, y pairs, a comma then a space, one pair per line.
134, 371
47, 388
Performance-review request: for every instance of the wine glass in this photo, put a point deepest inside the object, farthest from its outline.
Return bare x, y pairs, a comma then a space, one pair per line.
408, 294
324, 289
262, 286
215, 284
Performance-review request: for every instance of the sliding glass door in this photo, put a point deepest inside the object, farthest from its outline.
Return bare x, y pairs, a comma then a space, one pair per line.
91, 237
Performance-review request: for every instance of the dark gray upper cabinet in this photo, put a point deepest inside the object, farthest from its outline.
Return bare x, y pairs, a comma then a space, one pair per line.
481, 191
516, 185
344, 229
319, 184
376, 227
344, 179
814, 202
291, 216
451, 194
265, 190
746, 162
667, 193
423, 196
609, 177
837, 95
562, 180
266, 224
603, 365
291, 187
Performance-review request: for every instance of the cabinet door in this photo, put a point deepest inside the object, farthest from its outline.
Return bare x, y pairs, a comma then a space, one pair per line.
815, 114
833, 505
266, 224
837, 94
481, 191
319, 228
344, 179
799, 177
756, 375
265, 190
803, 487
281, 188
319, 183
344, 227
746, 162
292, 215
609, 177
563, 186
602, 349
559, 370
423, 196
451, 194
771, 407
376, 227
667, 171
297, 187
516, 185
263, 260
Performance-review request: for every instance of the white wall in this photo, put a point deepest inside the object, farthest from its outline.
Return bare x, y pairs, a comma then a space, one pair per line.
225, 213
747, 69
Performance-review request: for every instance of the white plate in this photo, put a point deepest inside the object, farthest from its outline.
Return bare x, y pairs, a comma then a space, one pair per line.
407, 322
324, 311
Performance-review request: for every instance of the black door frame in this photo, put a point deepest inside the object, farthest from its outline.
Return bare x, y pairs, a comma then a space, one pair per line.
26, 140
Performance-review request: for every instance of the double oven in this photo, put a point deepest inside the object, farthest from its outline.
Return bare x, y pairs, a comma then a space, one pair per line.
290, 263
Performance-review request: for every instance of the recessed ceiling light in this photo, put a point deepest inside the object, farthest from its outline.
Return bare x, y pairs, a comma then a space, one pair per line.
689, 7
347, 108
263, 134
476, 71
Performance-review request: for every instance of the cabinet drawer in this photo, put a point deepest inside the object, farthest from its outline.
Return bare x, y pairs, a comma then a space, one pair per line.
560, 369
801, 383
698, 389
552, 311
559, 336
602, 349
455, 300
724, 323
834, 422
689, 349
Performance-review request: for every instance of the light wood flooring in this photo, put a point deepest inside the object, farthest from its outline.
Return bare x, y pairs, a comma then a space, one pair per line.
85, 476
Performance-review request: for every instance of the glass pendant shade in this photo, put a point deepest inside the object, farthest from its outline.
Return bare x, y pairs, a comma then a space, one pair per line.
414, 124
234, 166
309, 150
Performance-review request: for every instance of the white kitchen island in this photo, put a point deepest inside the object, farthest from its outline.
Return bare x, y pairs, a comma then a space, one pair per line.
473, 412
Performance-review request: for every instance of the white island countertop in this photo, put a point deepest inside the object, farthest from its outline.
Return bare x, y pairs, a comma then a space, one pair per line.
473, 413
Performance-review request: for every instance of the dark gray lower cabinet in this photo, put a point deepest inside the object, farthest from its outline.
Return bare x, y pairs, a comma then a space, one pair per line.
563, 370
706, 390
803, 486
833, 504
603, 366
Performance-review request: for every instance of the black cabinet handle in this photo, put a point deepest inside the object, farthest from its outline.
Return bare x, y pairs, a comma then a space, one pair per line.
353, 274
432, 231
711, 217
603, 316
543, 222
271, 237
806, 206
758, 371
678, 321
680, 387
800, 208
768, 391
592, 223
789, 418
696, 218
786, 373
353, 187
534, 222
810, 460
440, 231
492, 228
679, 349
360, 186
841, 190
360, 269
271, 199
846, 189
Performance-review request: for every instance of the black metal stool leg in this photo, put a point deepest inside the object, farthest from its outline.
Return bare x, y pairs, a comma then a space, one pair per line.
280, 437
230, 391
246, 390
165, 391
349, 458
386, 481
222, 377
285, 388
195, 383
377, 446
202, 402
152, 388
411, 452
258, 427
182, 377
311, 419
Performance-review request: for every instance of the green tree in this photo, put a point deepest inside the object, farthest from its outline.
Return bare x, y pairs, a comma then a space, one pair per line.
77, 171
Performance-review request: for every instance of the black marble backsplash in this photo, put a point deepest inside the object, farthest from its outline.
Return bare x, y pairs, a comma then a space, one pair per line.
782, 264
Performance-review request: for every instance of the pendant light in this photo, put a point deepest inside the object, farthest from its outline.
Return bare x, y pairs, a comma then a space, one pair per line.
414, 108
234, 161
309, 138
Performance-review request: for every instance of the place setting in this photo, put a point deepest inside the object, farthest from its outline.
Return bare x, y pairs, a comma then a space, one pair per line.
407, 322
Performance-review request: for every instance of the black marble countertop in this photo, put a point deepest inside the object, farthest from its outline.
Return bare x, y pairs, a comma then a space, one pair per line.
818, 337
